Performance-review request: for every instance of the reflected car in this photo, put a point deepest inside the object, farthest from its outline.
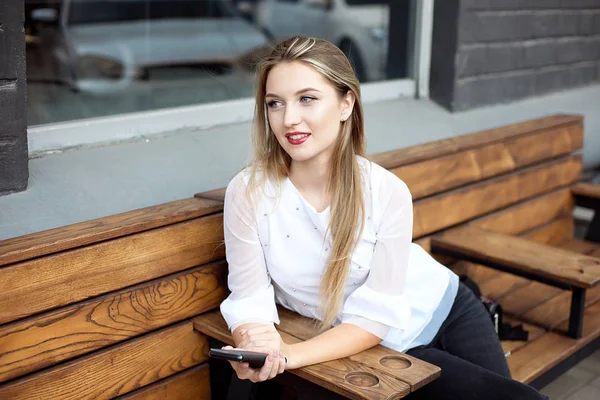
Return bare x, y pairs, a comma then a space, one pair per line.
121, 39
359, 29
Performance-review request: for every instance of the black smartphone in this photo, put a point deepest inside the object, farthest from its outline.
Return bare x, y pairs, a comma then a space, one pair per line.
255, 360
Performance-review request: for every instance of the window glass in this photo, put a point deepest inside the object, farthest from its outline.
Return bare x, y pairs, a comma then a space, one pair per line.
93, 58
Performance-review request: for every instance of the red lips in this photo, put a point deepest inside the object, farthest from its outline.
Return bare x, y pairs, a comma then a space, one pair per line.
300, 137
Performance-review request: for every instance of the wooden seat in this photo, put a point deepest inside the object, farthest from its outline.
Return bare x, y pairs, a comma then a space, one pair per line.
392, 374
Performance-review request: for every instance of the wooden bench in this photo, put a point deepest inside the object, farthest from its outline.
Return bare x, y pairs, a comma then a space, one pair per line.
125, 306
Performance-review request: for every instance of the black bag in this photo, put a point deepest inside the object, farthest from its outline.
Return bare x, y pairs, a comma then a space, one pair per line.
504, 331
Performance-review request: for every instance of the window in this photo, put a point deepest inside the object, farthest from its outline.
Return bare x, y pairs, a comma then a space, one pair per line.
111, 58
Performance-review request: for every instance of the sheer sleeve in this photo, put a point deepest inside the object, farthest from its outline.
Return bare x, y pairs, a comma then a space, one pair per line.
379, 304
252, 297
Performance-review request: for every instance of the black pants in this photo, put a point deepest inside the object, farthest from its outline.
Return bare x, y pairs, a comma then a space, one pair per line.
468, 351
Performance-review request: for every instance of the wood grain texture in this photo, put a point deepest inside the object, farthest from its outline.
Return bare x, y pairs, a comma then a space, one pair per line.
413, 154
432, 214
579, 246
554, 232
535, 332
531, 361
97, 230
562, 265
556, 310
334, 375
589, 190
44, 340
193, 383
411, 370
437, 175
117, 370
529, 214
33, 286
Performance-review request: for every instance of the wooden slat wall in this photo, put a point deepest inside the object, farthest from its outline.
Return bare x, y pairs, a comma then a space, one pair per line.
116, 370
47, 339
111, 227
437, 175
192, 384
44, 283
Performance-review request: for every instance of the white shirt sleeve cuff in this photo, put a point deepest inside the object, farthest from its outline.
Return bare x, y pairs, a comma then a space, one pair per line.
260, 307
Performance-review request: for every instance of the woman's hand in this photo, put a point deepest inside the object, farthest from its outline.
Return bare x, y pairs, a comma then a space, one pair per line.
274, 365
263, 336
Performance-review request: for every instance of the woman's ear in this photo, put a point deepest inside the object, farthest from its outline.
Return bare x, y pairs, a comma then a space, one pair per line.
347, 104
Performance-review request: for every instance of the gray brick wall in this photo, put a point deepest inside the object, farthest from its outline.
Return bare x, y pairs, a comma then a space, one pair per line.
507, 50
14, 156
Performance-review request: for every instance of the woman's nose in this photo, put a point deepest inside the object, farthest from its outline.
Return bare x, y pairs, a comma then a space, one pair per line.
292, 116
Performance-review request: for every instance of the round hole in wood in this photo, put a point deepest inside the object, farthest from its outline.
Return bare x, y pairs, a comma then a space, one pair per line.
362, 379
395, 362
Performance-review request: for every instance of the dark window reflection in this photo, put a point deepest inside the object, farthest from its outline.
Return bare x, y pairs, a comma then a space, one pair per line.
90, 58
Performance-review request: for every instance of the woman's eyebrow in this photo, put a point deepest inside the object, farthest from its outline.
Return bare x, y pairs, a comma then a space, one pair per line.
297, 93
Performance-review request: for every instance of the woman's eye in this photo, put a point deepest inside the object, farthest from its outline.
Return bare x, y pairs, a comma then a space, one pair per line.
273, 104
306, 99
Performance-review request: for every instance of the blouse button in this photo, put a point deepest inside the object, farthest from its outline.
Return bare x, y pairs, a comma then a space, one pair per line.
355, 283
294, 289
326, 249
369, 217
304, 304
315, 228
265, 215
288, 235
297, 208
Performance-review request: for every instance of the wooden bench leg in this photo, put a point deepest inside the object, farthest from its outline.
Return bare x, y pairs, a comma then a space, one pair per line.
576, 315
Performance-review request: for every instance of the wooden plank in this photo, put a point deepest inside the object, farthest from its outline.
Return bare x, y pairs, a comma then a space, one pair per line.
455, 144
458, 169
411, 370
193, 383
553, 233
33, 286
431, 214
44, 340
531, 361
342, 376
535, 332
524, 255
117, 370
502, 284
591, 325
101, 229
527, 298
584, 189
579, 246
556, 310
528, 215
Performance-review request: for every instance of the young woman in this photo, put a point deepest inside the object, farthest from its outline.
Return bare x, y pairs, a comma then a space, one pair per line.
313, 225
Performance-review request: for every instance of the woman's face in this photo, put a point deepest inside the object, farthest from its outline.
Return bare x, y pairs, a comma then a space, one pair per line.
304, 110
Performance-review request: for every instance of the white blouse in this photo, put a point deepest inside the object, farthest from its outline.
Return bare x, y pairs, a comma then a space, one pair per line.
277, 252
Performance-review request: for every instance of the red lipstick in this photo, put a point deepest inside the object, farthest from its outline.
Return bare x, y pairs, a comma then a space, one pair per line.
297, 138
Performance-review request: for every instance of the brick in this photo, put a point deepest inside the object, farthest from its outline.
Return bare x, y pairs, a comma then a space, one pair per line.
586, 22
4, 71
538, 53
592, 52
580, 3
582, 74
551, 80
504, 57
510, 4
491, 90
501, 26
596, 23
14, 171
471, 61
556, 23
571, 50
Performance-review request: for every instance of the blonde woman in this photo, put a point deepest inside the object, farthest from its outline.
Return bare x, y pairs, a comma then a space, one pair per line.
312, 225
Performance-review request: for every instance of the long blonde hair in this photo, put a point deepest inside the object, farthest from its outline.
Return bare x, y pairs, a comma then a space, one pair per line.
345, 186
